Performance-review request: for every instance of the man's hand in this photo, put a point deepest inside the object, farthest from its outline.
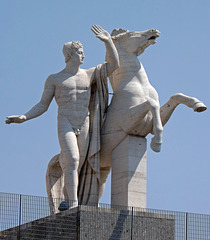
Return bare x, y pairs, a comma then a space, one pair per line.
101, 33
15, 119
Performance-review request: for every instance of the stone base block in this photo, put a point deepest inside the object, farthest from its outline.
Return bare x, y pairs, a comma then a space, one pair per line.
88, 222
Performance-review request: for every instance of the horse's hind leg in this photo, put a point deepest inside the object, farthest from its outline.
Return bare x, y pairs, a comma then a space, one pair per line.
54, 184
167, 109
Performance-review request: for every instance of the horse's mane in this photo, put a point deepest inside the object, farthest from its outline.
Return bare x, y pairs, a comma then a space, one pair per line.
120, 33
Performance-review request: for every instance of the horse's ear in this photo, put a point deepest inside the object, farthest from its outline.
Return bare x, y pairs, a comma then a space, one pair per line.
116, 33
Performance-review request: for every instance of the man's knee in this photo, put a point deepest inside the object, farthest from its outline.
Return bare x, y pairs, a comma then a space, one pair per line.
72, 163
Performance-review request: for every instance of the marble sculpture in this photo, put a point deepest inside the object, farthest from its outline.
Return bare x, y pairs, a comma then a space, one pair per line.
87, 129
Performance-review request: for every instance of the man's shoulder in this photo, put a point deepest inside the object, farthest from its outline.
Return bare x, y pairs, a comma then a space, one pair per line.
89, 71
98, 67
54, 77
51, 77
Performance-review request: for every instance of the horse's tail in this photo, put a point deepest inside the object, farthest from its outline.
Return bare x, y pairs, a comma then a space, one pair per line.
54, 184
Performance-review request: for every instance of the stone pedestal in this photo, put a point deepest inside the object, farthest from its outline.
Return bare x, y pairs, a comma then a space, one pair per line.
129, 172
88, 222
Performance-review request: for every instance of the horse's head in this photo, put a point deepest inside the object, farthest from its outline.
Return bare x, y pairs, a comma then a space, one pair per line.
134, 42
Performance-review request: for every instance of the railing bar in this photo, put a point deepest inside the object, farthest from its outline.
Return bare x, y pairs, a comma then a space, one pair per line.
132, 225
20, 203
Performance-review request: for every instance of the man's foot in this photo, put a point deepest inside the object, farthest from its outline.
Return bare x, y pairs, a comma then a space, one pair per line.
63, 206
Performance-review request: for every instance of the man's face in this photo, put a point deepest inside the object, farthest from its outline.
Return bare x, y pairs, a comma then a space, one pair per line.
78, 55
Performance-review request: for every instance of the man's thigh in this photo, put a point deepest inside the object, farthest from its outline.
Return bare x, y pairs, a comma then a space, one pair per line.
83, 142
68, 142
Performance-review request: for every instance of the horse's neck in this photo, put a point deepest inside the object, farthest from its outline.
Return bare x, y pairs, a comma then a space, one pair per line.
129, 67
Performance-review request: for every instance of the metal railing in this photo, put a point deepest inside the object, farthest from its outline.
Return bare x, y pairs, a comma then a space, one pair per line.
21, 214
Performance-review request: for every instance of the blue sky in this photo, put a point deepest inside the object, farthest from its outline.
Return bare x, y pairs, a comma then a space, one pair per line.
32, 36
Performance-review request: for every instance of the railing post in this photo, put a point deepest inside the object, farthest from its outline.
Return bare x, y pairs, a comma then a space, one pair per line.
78, 223
20, 203
186, 224
132, 224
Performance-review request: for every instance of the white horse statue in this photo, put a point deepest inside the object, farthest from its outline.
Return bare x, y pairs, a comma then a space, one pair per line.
134, 108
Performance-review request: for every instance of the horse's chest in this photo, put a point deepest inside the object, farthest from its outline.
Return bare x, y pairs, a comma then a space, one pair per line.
133, 94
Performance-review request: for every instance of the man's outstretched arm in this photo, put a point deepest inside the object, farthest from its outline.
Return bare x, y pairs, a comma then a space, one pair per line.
113, 58
38, 109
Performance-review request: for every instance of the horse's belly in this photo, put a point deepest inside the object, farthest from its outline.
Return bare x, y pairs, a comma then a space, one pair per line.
129, 120
143, 128
129, 109
132, 96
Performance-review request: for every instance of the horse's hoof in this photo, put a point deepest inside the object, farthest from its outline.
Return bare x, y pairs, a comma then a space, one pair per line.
156, 147
199, 107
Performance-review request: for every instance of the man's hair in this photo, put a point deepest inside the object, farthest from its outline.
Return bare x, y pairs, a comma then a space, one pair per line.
70, 46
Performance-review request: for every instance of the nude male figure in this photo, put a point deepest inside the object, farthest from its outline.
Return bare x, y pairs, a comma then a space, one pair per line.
71, 88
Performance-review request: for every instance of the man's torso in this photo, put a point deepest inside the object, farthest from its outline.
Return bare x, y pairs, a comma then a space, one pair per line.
72, 94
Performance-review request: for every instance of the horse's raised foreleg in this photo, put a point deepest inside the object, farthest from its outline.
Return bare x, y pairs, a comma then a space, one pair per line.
167, 109
138, 113
156, 141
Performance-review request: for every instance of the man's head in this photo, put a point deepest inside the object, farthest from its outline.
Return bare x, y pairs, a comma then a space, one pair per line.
72, 50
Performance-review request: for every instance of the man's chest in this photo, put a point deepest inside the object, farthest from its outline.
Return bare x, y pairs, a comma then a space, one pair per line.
74, 83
